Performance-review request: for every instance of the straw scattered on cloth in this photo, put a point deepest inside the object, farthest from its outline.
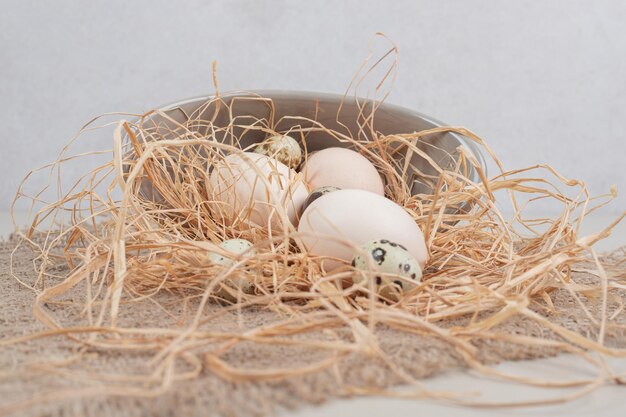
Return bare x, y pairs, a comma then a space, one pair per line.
109, 301
56, 376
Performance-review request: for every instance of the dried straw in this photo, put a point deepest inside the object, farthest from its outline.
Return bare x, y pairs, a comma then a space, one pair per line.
123, 245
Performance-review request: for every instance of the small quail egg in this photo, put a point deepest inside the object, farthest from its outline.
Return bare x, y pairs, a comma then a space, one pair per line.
315, 194
235, 247
395, 270
283, 148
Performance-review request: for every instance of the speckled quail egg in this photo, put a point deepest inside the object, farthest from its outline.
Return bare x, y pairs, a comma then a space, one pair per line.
283, 148
317, 193
235, 247
390, 265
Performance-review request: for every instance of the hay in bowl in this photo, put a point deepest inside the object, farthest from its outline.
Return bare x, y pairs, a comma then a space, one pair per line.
138, 228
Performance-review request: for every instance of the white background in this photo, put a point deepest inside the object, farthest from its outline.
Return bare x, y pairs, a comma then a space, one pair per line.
541, 81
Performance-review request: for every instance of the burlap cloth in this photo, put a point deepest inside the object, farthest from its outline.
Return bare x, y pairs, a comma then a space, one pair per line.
420, 356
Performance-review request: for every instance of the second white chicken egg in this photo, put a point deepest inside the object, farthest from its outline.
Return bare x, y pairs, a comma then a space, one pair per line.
339, 221
255, 189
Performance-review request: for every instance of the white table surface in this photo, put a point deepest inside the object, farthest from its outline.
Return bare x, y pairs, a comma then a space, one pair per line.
606, 401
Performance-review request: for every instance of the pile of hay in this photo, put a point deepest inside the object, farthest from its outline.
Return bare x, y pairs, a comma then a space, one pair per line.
106, 246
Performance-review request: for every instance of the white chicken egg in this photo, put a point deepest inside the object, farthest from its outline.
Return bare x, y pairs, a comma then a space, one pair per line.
332, 226
342, 168
255, 189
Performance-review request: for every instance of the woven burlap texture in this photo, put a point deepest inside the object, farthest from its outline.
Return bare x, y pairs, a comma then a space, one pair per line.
31, 369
